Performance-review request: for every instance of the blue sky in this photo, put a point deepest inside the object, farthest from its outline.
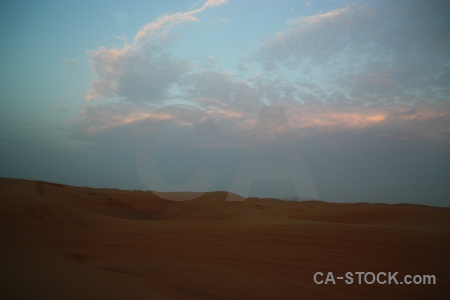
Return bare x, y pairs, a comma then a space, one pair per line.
169, 95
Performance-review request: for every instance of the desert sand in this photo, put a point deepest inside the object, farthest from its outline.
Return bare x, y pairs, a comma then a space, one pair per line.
64, 242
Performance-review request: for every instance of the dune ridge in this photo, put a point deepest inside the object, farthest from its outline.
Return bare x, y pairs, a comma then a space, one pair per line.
80, 242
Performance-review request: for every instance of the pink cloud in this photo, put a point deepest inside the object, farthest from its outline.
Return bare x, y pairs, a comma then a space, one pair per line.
368, 93
174, 19
142, 70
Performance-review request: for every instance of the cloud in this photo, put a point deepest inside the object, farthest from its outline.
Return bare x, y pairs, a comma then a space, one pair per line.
317, 37
96, 119
134, 73
142, 70
369, 50
174, 19
424, 122
331, 72
375, 66
224, 86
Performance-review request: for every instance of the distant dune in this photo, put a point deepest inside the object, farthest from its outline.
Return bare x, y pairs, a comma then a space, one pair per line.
65, 242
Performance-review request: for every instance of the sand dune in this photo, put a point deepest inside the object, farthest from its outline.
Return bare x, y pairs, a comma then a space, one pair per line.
64, 242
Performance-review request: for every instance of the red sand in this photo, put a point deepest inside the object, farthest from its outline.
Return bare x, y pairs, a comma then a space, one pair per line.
63, 242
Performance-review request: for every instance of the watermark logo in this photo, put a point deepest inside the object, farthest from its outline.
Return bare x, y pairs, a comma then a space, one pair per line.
147, 146
272, 125
373, 278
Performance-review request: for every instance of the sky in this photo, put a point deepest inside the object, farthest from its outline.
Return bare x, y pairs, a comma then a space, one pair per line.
342, 101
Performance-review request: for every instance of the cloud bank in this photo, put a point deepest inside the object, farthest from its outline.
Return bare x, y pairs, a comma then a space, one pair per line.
369, 69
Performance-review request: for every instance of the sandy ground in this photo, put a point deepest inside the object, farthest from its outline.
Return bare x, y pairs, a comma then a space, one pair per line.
62, 242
